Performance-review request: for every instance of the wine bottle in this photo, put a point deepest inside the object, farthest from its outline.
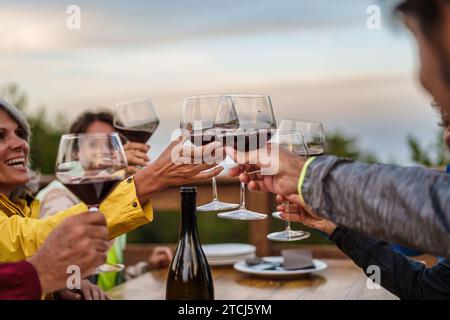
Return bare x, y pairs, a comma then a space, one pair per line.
189, 275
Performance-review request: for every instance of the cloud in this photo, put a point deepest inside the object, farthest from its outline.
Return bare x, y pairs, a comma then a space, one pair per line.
156, 23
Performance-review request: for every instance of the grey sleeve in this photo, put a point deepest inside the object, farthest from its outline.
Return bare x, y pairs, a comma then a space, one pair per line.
406, 205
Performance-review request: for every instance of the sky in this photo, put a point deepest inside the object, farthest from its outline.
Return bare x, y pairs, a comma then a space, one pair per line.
316, 59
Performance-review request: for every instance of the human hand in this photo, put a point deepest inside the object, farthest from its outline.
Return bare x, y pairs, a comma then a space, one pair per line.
79, 240
88, 291
168, 170
137, 157
298, 214
160, 257
284, 181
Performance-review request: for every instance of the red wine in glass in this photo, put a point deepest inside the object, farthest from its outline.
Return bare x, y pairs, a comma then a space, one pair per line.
92, 191
139, 134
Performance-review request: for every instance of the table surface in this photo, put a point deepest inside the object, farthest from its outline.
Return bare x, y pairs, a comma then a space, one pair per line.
341, 280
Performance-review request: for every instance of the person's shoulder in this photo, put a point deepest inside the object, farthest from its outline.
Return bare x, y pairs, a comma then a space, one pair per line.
52, 186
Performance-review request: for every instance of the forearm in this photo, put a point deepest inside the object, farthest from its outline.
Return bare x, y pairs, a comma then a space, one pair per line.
402, 205
20, 237
403, 277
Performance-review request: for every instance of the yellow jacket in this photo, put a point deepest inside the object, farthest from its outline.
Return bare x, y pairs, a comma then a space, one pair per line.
22, 233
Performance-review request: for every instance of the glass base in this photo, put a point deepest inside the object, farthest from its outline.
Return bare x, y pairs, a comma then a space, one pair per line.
242, 214
109, 267
288, 235
217, 206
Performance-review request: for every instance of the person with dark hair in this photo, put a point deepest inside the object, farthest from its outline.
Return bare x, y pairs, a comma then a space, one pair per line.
408, 206
56, 197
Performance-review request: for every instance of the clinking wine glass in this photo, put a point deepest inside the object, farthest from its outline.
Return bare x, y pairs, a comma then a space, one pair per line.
256, 126
91, 166
313, 136
293, 142
136, 119
198, 120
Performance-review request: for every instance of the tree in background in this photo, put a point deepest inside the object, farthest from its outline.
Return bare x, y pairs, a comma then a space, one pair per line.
343, 146
434, 155
45, 132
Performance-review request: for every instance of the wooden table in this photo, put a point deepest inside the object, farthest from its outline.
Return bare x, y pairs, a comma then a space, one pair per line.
341, 280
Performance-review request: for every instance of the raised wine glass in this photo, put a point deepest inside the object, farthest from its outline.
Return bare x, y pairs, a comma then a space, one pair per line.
294, 142
314, 137
198, 118
256, 126
136, 119
91, 166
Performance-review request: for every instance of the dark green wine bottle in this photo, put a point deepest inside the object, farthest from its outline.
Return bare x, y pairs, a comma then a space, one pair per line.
189, 275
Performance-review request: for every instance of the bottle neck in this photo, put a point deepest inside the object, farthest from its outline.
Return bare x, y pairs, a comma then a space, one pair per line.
188, 214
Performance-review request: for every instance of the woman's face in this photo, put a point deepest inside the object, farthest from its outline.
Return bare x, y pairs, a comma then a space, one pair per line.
93, 149
14, 152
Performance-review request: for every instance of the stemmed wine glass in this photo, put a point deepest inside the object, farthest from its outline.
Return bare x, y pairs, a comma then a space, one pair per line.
294, 142
91, 166
313, 135
136, 119
256, 125
198, 120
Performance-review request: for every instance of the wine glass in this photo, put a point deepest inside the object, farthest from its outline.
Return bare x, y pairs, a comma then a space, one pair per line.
313, 136
294, 142
136, 119
91, 166
198, 118
256, 125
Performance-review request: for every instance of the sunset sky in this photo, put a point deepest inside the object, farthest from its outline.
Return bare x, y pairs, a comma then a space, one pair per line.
316, 59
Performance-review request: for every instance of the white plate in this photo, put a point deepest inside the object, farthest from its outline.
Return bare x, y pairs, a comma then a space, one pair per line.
229, 261
227, 250
280, 272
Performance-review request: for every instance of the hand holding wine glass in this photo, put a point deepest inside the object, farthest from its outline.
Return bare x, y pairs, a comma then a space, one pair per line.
284, 182
200, 117
256, 121
293, 142
167, 170
91, 166
298, 214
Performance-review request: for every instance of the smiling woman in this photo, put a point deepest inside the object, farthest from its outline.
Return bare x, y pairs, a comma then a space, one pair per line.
125, 209
16, 179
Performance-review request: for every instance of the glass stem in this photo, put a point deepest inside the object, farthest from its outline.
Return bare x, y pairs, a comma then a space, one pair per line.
242, 197
214, 188
288, 220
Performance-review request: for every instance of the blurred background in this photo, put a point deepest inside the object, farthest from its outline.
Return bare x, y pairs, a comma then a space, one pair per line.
317, 60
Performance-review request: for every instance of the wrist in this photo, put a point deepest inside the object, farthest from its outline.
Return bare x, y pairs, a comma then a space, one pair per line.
148, 182
294, 167
329, 228
47, 282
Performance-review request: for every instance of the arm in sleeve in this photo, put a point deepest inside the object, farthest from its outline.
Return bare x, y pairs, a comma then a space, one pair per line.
405, 278
20, 237
19, 281
406, 205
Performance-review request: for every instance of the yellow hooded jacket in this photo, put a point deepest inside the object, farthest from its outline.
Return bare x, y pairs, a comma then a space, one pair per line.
22, 233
